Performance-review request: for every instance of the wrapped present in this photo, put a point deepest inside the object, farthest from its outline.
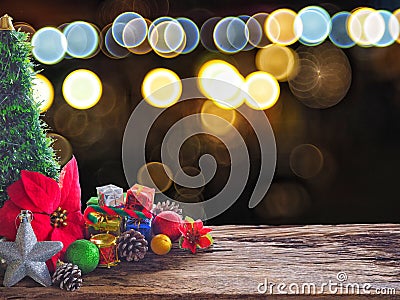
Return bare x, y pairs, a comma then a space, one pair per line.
105, 224
143, 226
110, 195
140, 197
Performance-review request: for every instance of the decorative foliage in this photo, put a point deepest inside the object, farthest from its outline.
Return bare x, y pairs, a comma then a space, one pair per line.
43, 196
194, 235
23, 141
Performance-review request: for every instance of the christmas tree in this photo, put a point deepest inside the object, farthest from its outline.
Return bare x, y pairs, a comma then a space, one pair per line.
23, 141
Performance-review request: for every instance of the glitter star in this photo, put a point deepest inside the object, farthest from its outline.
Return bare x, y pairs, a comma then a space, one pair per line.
27, 257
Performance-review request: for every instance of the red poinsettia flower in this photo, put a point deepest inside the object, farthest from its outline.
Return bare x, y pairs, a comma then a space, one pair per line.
194, 235
56, 207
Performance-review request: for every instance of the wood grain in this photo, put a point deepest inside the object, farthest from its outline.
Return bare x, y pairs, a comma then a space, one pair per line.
245, 256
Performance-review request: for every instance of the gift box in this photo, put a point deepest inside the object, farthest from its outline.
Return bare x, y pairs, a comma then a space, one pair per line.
110, 195
140, 197
105, 224
143, 226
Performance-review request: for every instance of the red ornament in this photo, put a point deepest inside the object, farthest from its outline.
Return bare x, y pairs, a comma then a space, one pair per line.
56, 207
167, 222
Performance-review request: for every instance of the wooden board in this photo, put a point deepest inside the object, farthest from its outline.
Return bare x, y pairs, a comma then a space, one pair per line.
302, 259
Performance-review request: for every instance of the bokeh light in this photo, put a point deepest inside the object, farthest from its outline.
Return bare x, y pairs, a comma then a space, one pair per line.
82, 89
25, 27
183, 190
339, 34
62, 148
49, 45
82, 38
161, 87
280, 61
125, 26
366, 26
306, 161
166, 35
316, 25
144, 47
323, 77
262, 89
211, 78
249, 46
396, 13
255, 30
283, 27
391, 32
189, 151
69, 121
192, 34
111, 48
43, 92
215, 119
284, 200
134, 32
206, 34
230, 35
155, 175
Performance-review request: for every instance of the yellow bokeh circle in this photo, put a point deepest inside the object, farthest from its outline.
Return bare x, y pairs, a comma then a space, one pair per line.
82, 89
43, 92
216, 119
396, 13
365, 26
222, 83
262, 90
155, 175
282, 27
280, 61
161, 87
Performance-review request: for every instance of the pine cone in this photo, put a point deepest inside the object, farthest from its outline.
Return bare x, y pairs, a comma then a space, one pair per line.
166, 206
132, 245
67, 277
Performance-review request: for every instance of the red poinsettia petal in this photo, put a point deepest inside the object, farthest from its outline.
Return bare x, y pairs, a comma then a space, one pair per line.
70, 188
66, 236
52, 262
8, 214
17, 194
75, 225
184, 227
42, 227
205, 230
187, 245
77, 219
40, 190
198, 225
203, 242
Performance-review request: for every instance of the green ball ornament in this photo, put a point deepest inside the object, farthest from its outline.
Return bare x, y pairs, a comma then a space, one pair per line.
84, 254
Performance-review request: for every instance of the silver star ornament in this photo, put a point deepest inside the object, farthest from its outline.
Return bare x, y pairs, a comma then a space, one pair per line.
26, 256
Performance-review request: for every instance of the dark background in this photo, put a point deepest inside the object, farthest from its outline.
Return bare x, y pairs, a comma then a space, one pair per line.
359, 138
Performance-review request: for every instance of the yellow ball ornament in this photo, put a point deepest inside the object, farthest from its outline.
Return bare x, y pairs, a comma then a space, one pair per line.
161, 244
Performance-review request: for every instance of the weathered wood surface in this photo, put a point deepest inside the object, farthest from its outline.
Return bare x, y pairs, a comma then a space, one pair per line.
245, 256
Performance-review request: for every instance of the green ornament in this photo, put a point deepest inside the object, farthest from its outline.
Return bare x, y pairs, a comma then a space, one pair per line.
84, 254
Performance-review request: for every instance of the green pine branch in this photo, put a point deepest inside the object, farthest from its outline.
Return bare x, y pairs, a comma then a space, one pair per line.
23, 141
